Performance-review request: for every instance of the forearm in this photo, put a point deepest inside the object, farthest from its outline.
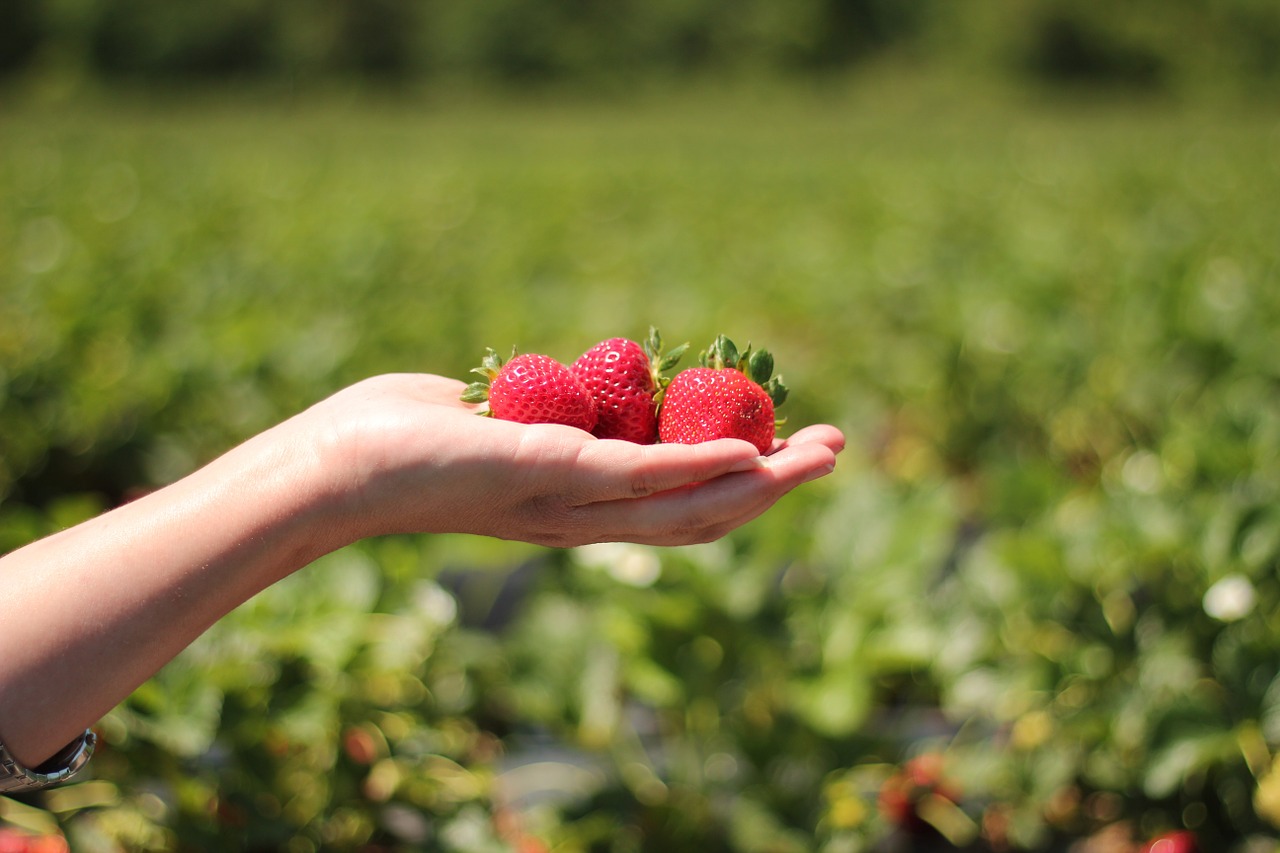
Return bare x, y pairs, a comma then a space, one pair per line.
92, 612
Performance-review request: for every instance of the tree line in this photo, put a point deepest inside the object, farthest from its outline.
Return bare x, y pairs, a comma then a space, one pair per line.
1145, 43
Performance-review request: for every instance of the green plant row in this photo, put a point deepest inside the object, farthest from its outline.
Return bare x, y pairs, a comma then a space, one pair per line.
1049, 555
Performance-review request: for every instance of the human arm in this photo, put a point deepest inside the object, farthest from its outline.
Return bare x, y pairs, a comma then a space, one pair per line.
93, 611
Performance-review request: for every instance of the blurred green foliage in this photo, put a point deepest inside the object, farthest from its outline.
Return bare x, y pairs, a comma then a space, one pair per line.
1149, 44
1049, 554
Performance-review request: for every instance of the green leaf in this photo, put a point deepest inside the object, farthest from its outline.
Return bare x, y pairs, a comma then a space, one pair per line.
1171, 765
659, 364
728, 351
760, 366
722, 353
776, 390
653, 684
476, 392
672, 358
653, 344
836, 704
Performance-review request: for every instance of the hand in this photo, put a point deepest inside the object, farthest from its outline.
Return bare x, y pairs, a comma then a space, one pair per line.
408, 456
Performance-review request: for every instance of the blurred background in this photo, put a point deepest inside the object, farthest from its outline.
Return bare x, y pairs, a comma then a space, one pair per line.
1025, 255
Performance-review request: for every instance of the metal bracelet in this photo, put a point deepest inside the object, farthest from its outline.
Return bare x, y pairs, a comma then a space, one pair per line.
14, 778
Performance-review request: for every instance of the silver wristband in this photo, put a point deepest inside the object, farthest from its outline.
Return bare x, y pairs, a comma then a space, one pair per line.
15, 779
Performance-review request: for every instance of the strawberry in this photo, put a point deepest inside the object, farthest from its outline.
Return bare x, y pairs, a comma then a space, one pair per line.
1179, 841
624, 378
730, 395
917, 782
532, 389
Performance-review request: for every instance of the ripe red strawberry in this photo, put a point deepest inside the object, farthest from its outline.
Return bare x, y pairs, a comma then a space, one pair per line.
1179, 841
919, 780
730, 396
624, 378
532, 389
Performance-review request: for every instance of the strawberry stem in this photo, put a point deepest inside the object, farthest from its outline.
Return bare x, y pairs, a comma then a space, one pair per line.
660, 364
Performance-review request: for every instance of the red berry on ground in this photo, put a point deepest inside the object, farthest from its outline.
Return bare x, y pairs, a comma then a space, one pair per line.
1180, 841
17, 841
902, 794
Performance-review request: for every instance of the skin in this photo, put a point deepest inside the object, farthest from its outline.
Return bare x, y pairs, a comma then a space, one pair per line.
93, 611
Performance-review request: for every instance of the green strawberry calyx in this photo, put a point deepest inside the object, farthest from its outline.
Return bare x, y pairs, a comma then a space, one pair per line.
478, 391
757, 364
661, 363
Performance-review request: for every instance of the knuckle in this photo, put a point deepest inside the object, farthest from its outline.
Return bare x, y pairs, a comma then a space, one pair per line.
697, 529
707, 534
643, 484
556, 523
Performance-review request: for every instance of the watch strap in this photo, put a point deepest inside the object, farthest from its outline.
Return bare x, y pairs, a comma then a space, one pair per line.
15, 778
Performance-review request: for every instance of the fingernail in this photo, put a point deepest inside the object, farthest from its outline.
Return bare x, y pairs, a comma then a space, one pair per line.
753, 464
819, 472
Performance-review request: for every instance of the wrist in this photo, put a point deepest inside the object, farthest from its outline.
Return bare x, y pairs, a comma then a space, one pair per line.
296, 497
18, 777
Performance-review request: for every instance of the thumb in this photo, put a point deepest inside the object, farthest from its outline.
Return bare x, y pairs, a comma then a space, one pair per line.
614, 470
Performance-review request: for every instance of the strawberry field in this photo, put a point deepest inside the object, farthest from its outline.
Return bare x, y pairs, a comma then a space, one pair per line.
1035, 608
